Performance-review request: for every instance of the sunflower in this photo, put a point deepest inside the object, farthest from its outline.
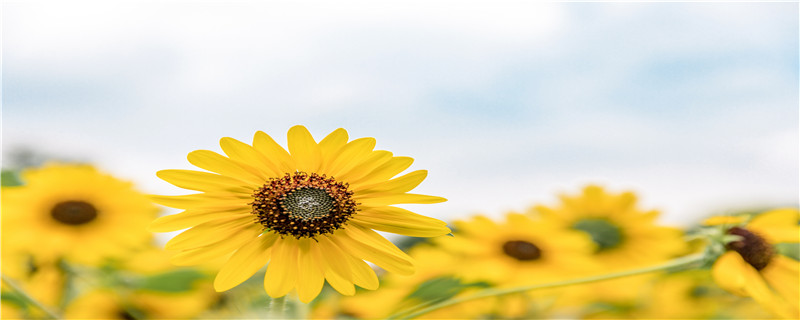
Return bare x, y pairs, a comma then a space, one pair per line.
624, 236
752, 266
517, 251
74, 212
310, 212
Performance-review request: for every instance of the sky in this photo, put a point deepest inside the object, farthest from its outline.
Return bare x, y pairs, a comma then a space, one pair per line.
693, 106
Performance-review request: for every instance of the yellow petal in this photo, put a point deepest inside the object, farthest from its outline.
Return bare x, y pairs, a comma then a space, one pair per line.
408, 228
245, 262
783, 275
190, 218
331, 146
203, 181
218, 163
265, 145
245, 153
400, 184
385, 199
311, 279
350, 155
332, 254
363, 275
202, 200
780, 225
339, 283
304, 149
380, 252
208, 233
281, 275
395, 213
385, 171
370, 162
226, 246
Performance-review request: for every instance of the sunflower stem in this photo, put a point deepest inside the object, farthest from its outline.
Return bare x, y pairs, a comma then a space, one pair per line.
674, 264
25, 296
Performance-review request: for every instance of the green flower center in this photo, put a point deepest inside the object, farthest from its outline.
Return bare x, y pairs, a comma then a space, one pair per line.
307, 203
73, 213
753, 248
522, 250
303, 205
604, 233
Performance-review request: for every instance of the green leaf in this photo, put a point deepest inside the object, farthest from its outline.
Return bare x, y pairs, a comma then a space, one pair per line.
9, 178
180, 280
791, 250
13, 298
442, 288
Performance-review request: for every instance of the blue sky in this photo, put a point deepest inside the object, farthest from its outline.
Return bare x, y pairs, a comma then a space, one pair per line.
506, 103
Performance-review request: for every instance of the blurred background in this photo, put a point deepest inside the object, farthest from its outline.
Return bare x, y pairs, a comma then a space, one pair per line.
692, 105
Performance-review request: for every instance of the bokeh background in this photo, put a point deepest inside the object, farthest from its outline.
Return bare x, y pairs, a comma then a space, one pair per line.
692, 105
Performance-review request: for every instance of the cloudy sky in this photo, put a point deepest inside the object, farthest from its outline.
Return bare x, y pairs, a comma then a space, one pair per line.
692, 105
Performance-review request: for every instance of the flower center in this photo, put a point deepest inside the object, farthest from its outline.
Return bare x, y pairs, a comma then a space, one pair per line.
522, 250
303, 205
73, 212
753, 248
604, 233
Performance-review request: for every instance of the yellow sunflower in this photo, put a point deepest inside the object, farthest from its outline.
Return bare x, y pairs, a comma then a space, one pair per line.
310, 212
74, 212
517, 251
753, 267
625, 235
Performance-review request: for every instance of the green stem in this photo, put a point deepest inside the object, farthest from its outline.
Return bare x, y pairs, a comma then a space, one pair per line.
25, 296
277, 308
680, 262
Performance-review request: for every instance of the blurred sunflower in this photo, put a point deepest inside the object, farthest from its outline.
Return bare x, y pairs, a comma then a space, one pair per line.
517, 251
624, 235
310, 212
74, 212
752, 266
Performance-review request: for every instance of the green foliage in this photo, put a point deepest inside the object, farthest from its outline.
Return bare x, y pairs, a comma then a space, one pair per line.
441, 288
180, 280
791, 250
9, 178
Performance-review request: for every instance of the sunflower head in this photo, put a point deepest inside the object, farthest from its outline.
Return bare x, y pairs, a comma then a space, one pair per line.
309, 213
303, 205
74, 212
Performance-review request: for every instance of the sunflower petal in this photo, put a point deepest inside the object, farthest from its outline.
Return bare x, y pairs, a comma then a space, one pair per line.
219, 249
265, 145
375, 200
244, 262
380, 252
331, 145
188, 219
339, 283
407, 228
281, 275
203, 181
309, 284
350, 153
208, 233
304, 149
244, 153
401, 184
200, 200
385, 171
363, 275
332, 254
218, 163
372, 161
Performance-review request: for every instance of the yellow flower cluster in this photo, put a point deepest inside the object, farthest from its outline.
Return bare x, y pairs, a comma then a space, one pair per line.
77, 244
